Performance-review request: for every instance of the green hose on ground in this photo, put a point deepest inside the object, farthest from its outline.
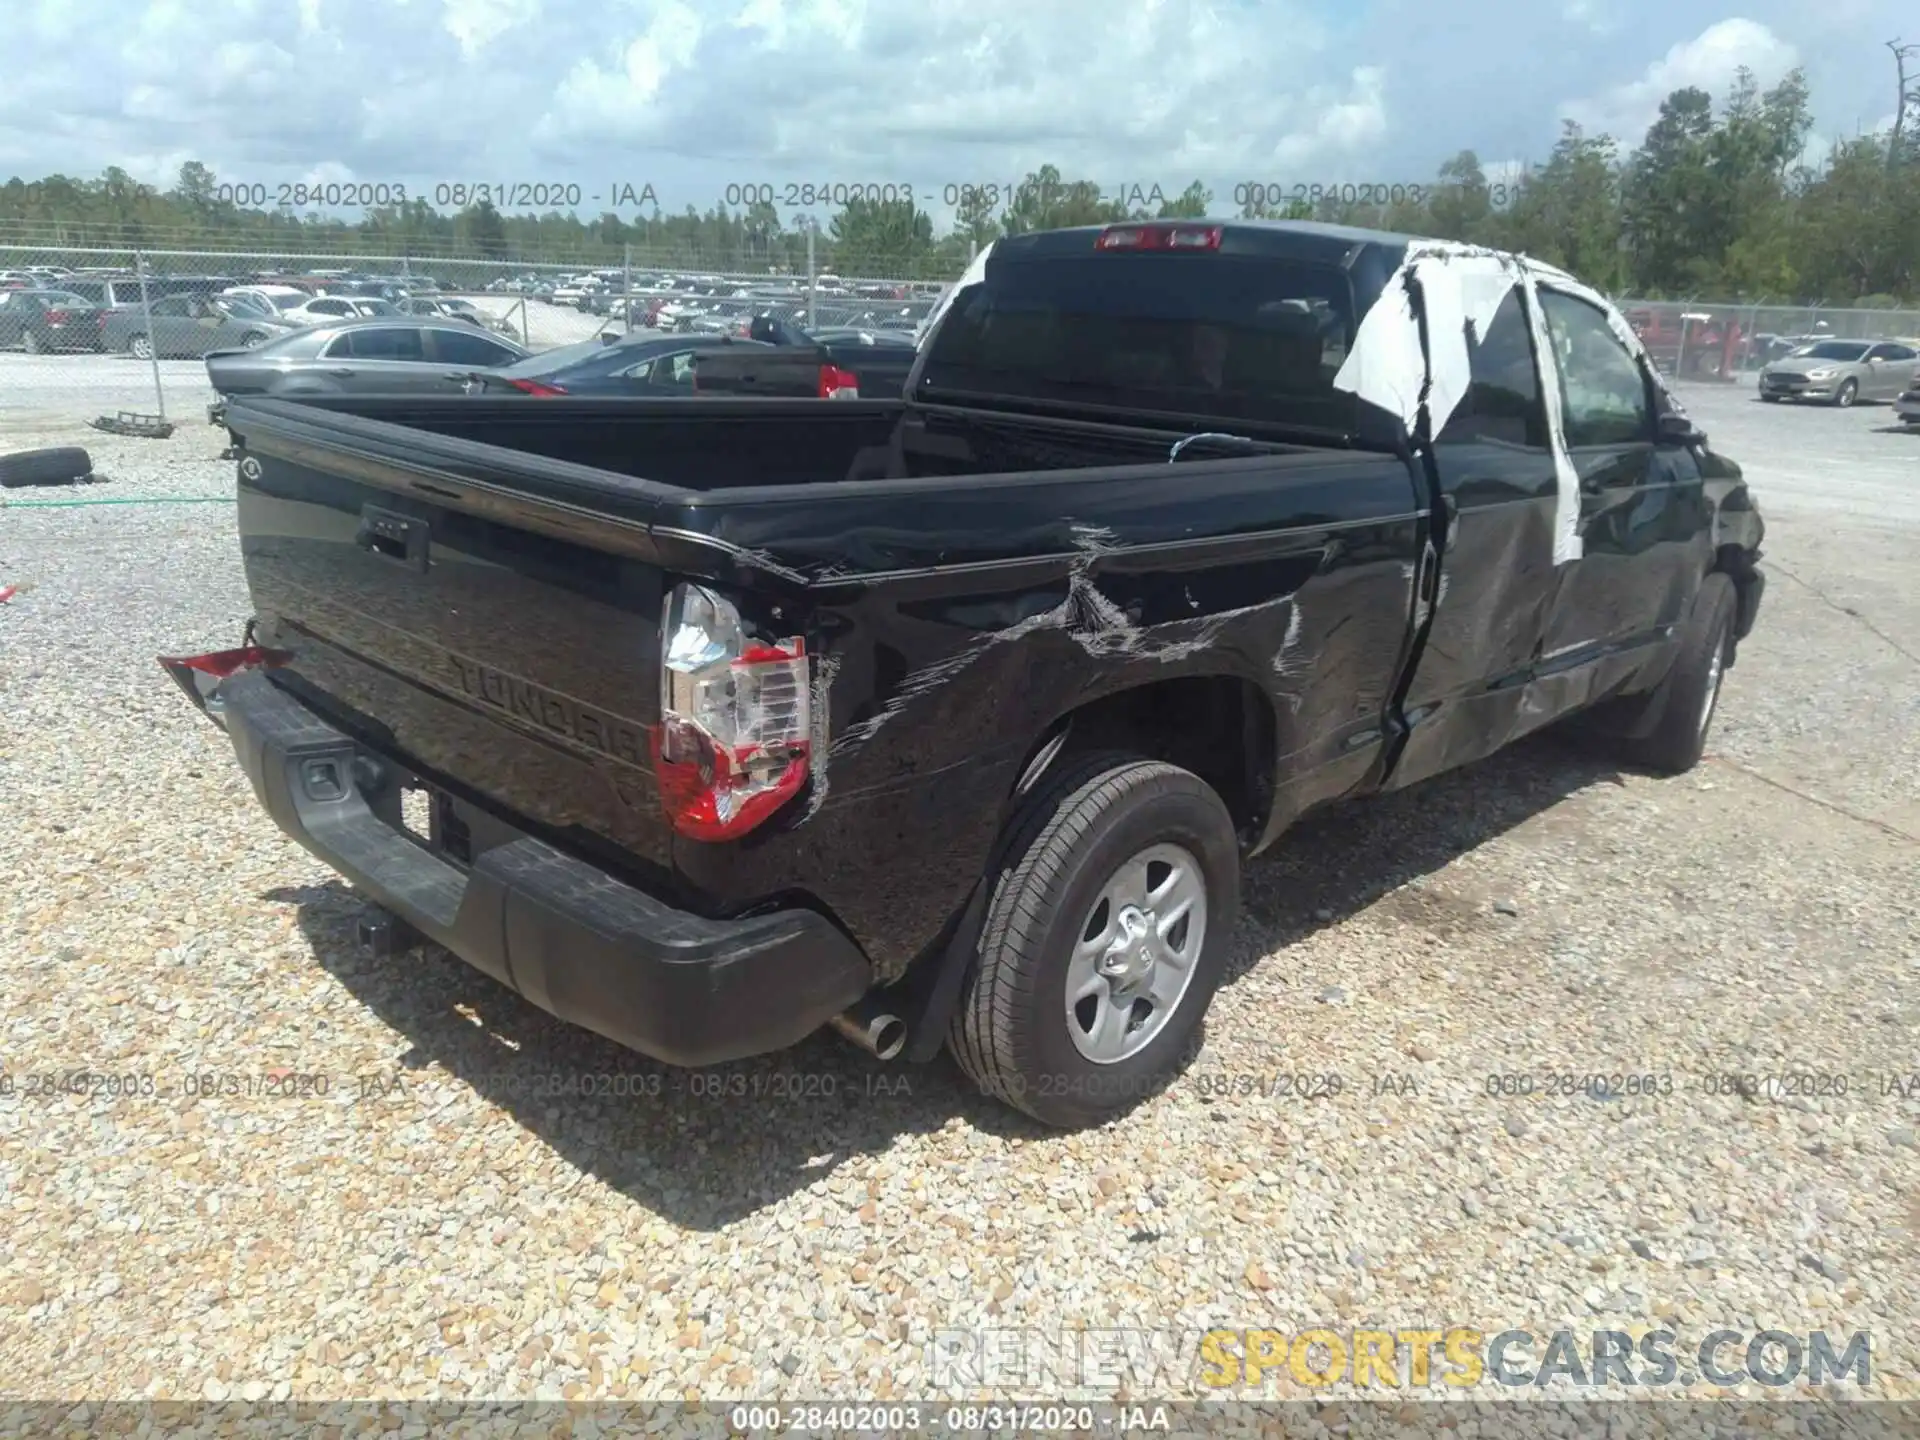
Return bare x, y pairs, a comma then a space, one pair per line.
148, 500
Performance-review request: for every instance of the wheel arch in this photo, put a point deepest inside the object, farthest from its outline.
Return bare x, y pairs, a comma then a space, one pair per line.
1220, 726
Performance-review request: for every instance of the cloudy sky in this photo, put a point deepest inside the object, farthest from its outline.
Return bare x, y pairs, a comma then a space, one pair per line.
693, 95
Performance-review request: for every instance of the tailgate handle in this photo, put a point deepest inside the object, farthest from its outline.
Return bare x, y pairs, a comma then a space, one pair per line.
398, 537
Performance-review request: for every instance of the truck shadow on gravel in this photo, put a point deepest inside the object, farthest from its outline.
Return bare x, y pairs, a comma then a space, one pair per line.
704, 1148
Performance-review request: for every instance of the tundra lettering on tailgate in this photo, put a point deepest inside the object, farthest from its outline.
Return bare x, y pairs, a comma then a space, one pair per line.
557, 714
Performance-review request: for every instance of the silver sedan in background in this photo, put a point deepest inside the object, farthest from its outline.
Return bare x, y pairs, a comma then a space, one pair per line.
387, 356
1841, 372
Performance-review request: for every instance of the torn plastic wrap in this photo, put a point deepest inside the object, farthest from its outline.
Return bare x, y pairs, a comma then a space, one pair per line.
975, 272
1457, 286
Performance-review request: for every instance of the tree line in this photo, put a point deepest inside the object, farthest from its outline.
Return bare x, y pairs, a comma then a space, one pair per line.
1715, 201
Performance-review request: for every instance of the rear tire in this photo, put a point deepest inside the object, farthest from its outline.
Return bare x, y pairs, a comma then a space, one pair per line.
140, 347
1059, 914
1690, 695
1770, 399
30, 343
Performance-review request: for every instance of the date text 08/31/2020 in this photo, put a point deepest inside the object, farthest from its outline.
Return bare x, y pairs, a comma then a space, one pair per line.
642, 195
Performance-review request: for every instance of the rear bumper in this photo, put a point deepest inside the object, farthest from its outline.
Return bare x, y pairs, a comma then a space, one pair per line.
574, 940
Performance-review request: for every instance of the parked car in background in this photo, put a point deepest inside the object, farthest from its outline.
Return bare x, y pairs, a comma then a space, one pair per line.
37, 321
322, 309
449, 308
104, 292
276, 297
828, 364
641, 364
1907, 405
1841, 372
191, 326
361, 357
1693, 345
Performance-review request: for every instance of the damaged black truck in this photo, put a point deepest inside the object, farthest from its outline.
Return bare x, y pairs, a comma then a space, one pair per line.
952, 717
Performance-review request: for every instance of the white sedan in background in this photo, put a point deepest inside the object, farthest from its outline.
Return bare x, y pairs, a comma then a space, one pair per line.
331, 309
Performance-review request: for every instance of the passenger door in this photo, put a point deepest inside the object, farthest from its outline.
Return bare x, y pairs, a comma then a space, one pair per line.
1890, 370
1644, 528
458, 350
384, 360
1496, 582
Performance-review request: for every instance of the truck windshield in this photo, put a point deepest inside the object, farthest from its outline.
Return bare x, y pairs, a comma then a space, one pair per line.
1248, 338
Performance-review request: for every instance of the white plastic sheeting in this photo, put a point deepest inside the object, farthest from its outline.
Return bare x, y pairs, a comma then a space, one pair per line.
1462, 286
972, 275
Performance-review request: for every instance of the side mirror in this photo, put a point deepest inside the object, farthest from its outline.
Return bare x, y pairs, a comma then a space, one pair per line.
1678, 430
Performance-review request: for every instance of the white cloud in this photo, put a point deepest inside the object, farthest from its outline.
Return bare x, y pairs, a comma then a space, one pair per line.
476, 24
1709, 61
1600, 17
690, 95
1345, 126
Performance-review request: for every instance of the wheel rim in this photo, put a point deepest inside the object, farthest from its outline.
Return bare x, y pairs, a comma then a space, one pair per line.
1136, 952
1715, 669
1847, 392
142, 348
31, 344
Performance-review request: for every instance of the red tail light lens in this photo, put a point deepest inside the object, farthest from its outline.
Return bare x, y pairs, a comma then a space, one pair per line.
734, 742
222, 663
535, 387
199, 676
838, 384
58, 317
1159, 237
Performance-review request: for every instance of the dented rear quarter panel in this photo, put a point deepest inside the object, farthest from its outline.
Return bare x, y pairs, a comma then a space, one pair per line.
954, 625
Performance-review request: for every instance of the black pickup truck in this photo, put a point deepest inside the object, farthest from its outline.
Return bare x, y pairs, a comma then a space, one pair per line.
830, 364
953, 716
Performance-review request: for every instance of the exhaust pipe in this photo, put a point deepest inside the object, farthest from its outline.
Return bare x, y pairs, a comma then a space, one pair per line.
877, 1033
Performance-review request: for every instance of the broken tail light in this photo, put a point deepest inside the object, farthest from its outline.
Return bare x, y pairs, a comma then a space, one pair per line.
838, 384
199, 676
734, 741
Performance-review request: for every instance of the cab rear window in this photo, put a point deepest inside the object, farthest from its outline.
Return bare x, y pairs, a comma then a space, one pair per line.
1232, 338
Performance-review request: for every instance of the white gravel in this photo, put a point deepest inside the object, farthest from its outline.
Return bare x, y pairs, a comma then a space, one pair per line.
435, 1225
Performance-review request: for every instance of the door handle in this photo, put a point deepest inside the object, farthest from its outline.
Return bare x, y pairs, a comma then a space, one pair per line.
342, 372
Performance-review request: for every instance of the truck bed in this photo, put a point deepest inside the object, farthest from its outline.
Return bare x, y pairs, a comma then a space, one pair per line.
464, 588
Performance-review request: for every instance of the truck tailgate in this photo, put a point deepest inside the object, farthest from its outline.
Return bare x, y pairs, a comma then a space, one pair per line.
520, 666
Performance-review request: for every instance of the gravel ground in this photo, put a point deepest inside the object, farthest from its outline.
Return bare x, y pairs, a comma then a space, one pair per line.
437, 1225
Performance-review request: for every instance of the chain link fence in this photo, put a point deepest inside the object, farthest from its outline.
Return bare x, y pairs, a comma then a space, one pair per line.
91, 332
1727, 341
87, 332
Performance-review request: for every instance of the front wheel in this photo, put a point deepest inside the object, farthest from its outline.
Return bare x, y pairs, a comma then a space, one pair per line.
1686, 700
1846, 394
140, 347
1105, 936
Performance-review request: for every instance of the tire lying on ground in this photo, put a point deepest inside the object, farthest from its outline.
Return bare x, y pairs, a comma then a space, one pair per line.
58, 466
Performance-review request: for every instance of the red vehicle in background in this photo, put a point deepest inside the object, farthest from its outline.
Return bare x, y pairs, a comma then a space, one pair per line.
1691, 345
